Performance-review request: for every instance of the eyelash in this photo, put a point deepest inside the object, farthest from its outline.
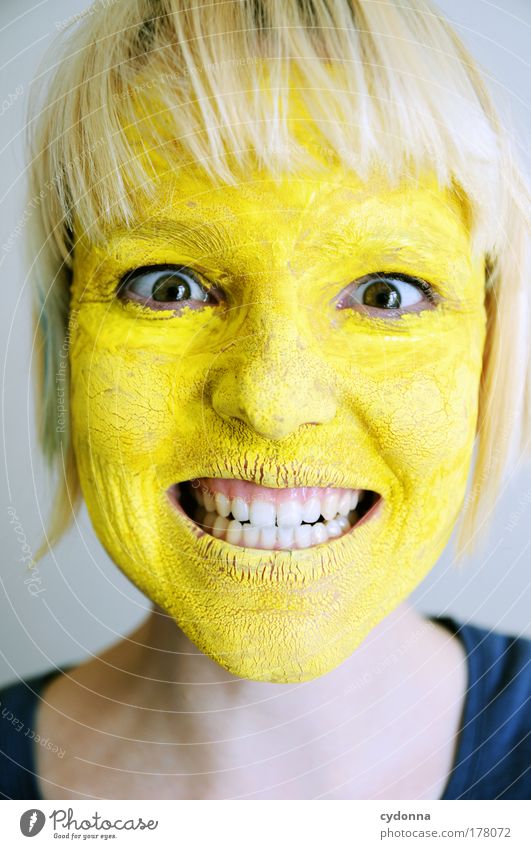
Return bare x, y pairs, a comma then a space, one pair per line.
138, 271
426, 287
422, 285
125, 290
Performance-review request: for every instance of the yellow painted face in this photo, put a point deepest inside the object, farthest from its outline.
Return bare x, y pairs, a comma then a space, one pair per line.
324, 332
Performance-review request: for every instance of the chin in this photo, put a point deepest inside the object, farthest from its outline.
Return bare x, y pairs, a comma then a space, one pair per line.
288, 608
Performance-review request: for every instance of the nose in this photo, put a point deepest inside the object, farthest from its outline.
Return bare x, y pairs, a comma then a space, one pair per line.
273, 382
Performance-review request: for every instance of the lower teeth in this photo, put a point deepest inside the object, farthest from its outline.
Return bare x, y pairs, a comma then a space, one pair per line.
273, 537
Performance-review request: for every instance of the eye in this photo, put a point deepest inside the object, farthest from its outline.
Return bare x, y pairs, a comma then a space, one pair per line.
164, 287
387, 292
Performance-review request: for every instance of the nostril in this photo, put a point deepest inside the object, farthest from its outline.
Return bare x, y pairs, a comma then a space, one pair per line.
273, 405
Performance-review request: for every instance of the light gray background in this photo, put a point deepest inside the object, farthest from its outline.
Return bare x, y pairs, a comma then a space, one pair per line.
85, 603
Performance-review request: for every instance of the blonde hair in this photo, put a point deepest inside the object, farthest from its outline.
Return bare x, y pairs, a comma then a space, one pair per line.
409, 98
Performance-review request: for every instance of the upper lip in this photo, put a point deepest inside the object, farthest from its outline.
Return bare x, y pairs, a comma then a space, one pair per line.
282, 476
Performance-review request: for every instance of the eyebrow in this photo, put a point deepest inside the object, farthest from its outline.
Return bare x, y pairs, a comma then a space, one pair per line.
205, 237
214, 238
399, 239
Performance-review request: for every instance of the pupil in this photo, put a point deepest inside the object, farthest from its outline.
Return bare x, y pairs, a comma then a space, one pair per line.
171, 288
381, 294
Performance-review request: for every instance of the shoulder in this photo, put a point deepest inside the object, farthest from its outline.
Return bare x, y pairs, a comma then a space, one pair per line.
18, 737
494, 748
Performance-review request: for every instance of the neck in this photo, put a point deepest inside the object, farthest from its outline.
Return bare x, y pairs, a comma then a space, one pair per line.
354, 731
172, 669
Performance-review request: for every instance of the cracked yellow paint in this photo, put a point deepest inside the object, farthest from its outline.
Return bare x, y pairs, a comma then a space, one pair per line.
277, 384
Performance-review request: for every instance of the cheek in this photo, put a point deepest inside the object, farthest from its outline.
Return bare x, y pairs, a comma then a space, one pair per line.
417, 396
119, 403
426, 419
133, 410
138, 386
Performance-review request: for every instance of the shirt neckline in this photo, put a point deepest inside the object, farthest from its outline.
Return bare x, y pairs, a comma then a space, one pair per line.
459, 777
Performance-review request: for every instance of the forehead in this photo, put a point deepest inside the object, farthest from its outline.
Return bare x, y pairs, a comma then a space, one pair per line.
321, 193
302, 204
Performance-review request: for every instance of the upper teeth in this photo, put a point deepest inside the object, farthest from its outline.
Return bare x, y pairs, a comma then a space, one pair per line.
282, 524
285, 514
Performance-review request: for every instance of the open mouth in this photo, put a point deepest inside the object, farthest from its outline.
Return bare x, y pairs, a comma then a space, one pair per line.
252, 516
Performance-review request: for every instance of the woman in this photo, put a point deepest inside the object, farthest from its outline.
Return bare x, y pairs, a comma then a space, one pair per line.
275, 238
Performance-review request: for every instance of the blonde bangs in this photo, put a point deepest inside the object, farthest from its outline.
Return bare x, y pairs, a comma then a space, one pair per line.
388, 86
208, 84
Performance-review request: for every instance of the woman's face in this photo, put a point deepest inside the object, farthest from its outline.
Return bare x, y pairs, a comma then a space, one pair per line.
278, 347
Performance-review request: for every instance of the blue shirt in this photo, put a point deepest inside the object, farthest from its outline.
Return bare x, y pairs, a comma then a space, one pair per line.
493, 755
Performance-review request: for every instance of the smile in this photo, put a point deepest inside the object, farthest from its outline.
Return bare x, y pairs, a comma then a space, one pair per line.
246, 514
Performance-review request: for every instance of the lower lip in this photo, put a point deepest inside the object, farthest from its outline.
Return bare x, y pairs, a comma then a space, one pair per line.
200, 531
